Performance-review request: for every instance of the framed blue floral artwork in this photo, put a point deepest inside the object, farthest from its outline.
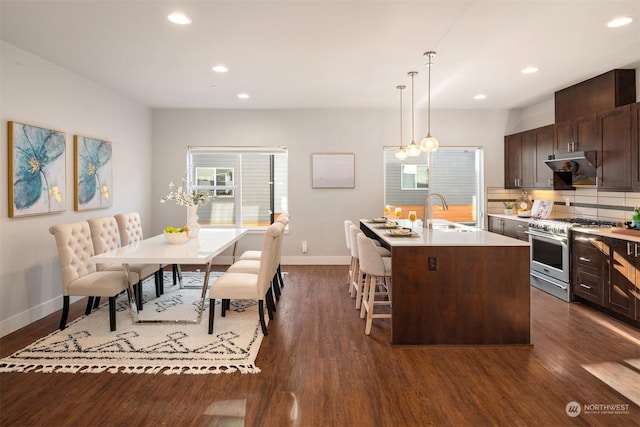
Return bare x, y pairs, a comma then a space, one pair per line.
36, 170
93, 175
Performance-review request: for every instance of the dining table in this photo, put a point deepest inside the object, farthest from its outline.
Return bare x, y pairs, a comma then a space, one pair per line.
202, 250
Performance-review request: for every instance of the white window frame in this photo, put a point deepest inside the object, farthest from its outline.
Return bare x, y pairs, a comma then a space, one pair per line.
236, 185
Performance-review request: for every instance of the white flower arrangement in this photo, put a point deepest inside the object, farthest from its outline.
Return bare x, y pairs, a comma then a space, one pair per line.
185, 196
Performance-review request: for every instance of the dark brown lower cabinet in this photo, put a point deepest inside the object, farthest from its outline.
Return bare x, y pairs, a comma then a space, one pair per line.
509, 227
604, 274
589, 258
622, 291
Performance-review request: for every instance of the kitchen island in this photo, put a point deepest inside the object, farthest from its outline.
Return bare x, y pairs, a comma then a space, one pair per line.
457, 285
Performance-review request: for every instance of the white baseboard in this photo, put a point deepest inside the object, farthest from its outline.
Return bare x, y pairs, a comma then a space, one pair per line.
27, 317
298, 260
315, 260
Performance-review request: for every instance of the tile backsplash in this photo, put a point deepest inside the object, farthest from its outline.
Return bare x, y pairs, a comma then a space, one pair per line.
582, 202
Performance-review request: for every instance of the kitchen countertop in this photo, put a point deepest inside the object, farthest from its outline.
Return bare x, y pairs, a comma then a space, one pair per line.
472, 237
598, 231
607, 232
513, 217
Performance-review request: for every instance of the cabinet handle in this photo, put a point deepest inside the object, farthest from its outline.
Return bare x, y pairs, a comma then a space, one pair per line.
584, 259
550, 184
636, 251
582, 285
629, 249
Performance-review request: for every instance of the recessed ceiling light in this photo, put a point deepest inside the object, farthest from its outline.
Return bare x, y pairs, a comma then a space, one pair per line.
243, 95
179, 18
480, 96
619, 22
529, 70
220, 69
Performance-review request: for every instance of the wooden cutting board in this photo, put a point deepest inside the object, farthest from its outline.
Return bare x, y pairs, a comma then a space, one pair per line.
630, 232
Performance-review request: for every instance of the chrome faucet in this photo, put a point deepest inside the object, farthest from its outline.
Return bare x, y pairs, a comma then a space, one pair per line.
425, 216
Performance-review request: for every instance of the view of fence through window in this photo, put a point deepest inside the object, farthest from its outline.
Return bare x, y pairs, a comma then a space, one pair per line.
456, 174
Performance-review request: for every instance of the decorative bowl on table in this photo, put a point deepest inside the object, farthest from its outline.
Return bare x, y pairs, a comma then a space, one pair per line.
176, 237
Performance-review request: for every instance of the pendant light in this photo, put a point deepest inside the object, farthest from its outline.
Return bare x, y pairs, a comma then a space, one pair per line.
401, 153
429, 143
413, 149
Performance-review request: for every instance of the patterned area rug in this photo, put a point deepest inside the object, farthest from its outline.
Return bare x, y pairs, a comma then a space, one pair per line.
87, 345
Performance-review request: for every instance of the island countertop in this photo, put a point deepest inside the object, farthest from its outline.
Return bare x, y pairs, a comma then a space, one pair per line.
471, 236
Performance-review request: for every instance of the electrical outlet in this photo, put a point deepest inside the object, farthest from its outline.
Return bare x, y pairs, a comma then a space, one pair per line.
567, 202
304, 247
433, 263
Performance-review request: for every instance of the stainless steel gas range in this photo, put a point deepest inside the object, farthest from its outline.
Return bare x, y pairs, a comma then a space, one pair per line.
551, 253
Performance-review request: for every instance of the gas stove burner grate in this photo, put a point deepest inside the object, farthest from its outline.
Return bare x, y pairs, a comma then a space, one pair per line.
586, 222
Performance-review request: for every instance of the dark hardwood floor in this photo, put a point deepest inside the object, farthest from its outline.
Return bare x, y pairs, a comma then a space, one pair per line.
320, 369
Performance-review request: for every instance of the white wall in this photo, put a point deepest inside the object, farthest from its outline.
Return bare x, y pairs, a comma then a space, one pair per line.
316, 215
36, 92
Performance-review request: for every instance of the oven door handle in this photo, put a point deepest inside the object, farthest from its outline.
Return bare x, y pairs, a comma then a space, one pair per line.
547, 236
534, 274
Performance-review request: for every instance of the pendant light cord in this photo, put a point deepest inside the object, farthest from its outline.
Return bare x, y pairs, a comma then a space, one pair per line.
429, 100
400, 88
413, 137
429, 55
412, 111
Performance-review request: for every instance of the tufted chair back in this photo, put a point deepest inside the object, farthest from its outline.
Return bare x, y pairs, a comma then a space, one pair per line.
105, 236
75, 250
269, 256
130, 228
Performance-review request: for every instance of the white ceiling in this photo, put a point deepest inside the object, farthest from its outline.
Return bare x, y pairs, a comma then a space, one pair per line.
328, 54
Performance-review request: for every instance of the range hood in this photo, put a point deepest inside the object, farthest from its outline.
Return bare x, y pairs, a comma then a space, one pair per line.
574, 168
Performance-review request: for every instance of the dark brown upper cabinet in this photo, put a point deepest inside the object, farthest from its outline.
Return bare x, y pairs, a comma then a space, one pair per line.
614, 152
578, 134
635, 146
601, 93
542, 174
525, 153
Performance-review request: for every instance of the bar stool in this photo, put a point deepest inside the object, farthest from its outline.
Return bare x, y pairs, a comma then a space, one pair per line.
377, 281
347, 236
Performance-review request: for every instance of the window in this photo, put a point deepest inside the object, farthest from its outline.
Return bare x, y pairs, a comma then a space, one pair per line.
414, 177
457, 173
249, 184
217, 180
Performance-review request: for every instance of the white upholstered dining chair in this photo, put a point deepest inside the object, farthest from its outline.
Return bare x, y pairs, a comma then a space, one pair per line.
130, 229
105, 236
79, 274
253, 255
234, 285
